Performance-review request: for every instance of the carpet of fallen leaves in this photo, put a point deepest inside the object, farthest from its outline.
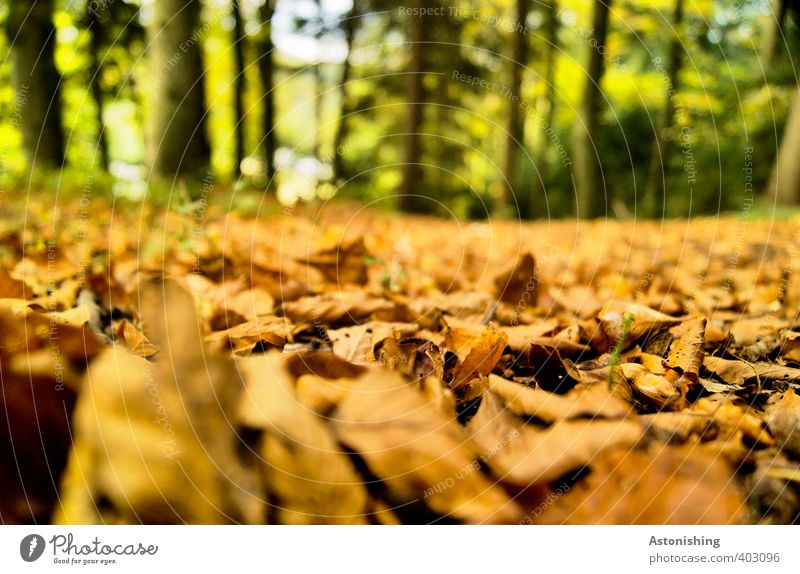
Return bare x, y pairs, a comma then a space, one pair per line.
344, 366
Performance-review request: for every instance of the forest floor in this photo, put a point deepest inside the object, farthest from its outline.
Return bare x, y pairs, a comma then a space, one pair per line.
361, 367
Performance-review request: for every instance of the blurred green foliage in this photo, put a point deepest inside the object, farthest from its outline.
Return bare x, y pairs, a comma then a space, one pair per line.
729, 100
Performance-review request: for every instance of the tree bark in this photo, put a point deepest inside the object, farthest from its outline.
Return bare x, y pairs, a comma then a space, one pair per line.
537, 205
515, 128
238, 84
656, 199
774, 41
318, 80
784, 183
37, 82
350, 26
266, 71
590, 194
179, 143
96, 72
411, 199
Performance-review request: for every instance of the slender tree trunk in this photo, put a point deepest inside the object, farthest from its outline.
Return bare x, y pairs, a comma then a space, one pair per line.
238, 83
177, 112
589, 191
96, 72
659, 160
411, 190
538, 204
318, 88
515, 127
774, 41
266, 71
784, 183
36, 81
350, 26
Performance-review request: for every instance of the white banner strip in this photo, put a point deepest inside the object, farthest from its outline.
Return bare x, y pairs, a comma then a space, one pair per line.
400, 549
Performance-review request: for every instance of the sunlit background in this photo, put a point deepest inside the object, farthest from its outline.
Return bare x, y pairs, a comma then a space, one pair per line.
735, 92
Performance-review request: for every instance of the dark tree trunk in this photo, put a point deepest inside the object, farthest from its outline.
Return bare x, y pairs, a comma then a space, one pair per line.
538, 203
656, 200
350, 26
411, 199
266, 71
774, 45
515, 127
96, 72
318, 80
37, 82
784, 183
589, 188
238, 83
179, 143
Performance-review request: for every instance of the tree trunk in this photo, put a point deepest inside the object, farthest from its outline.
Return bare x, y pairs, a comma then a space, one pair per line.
179, 143
318, 88
411, 199
37, 82
266, 70
538, 203
774, 45
590, 194
656, 199
350, 26
515, 127
238, 84
784, 183
96, 72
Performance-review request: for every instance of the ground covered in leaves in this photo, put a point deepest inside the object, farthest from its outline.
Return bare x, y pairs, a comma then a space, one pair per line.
343, 366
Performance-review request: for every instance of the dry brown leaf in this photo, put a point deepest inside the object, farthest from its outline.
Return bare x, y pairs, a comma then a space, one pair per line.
479, 356
355, 343
687, 350
784, 422
308, 475
592, 402
668, 426
13, 288
540, 456
521, 455
520, 336
770, 493
790, 346
667, 485
273, 331
336, 307
344, 263
740, 373
520, 284
655, 390
155, 443
645, 321
733, 417
423, 458
134, 340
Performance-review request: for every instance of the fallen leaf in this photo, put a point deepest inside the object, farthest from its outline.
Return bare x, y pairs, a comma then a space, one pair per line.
655, 390
592, 402
422, 457
520, 284
740, 373
334, 308
483, 353
308, 475
784, 422
666, 485
687, 350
